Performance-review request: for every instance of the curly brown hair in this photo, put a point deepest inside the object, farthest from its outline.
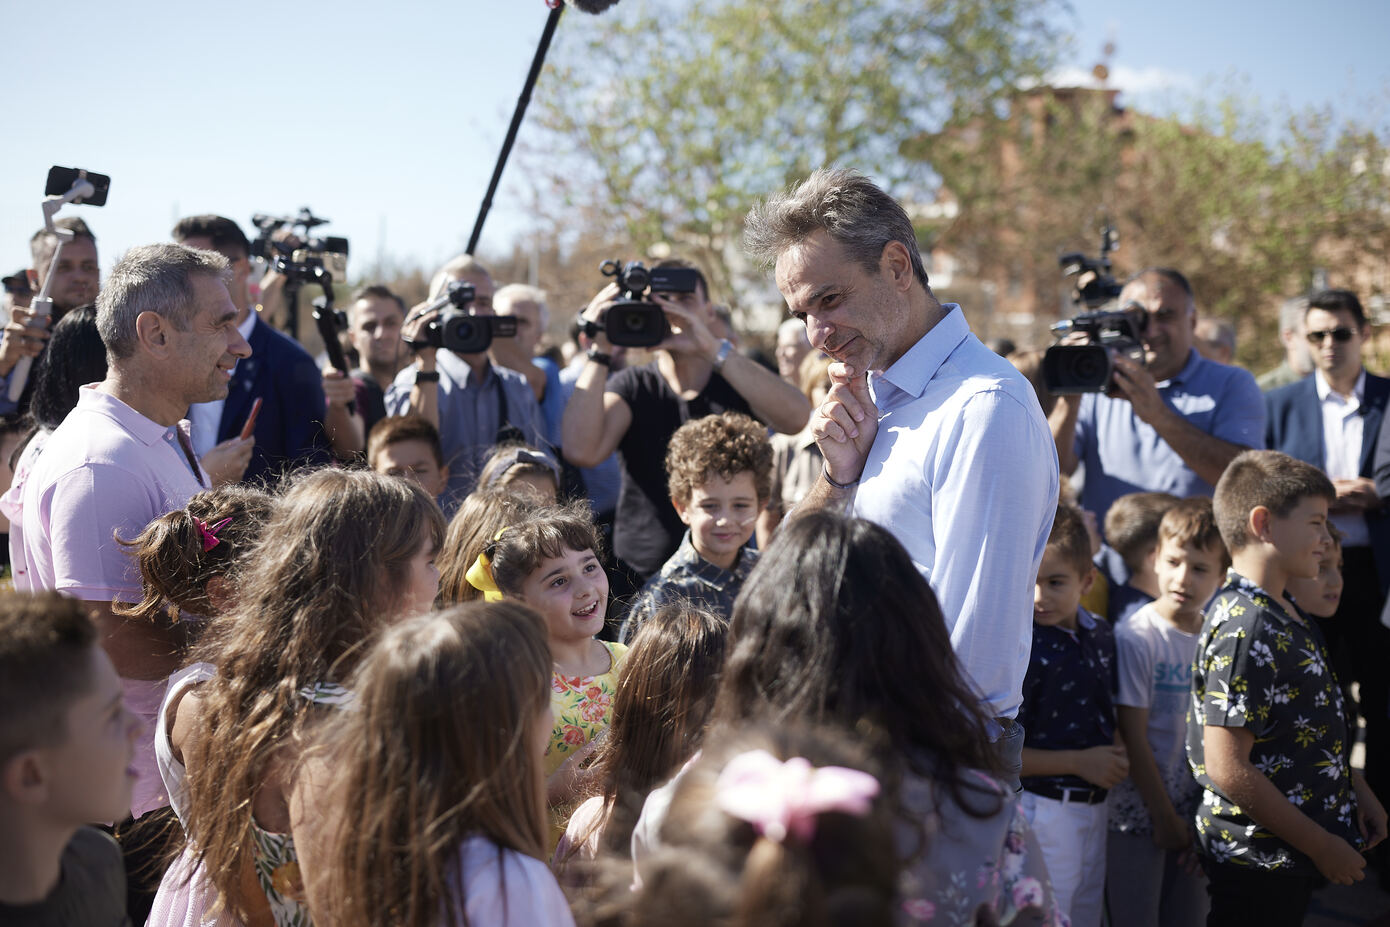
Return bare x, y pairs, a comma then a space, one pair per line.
726, 444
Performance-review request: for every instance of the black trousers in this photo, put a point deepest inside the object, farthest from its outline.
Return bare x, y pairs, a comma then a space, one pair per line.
1257, 897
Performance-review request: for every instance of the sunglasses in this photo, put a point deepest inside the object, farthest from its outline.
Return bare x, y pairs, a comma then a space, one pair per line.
1340, 335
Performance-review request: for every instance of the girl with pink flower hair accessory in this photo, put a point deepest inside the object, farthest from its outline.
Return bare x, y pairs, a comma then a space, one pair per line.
784, 798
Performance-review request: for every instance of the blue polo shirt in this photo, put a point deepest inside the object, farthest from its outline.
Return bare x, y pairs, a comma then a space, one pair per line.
1123, 454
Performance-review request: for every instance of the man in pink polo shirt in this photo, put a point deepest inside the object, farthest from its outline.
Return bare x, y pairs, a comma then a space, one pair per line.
123, 458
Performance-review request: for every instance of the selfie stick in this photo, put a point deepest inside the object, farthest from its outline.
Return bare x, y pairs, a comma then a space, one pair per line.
42, 305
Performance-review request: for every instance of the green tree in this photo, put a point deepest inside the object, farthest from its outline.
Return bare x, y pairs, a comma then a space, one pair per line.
667, 120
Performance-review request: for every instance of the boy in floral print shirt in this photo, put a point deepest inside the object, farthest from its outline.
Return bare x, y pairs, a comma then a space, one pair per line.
1282, 810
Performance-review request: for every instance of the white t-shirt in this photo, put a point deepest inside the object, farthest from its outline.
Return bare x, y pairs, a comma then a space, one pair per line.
1155, 666
521, 892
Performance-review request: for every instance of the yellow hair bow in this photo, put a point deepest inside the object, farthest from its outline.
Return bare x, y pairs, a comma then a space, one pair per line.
479, 575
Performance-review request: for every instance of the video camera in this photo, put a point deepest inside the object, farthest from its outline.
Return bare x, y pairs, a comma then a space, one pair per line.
329, 253
458, 330
633, 320
1089, 368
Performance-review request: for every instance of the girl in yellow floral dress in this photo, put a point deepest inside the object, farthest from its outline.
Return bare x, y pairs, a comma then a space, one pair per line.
549, 561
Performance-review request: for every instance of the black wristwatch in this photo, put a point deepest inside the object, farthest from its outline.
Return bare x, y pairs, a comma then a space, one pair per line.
427, 376
598, 357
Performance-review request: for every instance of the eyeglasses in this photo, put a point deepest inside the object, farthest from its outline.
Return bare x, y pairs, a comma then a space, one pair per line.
1340, 335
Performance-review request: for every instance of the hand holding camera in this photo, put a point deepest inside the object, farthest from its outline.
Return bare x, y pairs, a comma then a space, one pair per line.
449, 323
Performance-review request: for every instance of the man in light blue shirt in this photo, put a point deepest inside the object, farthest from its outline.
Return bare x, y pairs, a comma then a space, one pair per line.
926, 431
1173, 423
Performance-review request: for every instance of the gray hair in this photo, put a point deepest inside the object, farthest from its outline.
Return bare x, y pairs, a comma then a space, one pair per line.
152, 278
849, 207
522, 293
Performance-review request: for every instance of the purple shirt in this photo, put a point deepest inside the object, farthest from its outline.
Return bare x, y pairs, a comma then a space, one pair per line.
107, 471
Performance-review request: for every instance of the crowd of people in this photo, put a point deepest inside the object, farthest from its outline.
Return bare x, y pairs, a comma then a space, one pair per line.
889, 634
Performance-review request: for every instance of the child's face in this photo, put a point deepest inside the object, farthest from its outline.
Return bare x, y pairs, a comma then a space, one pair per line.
92, 770
1322, 594
413, 459
1188, 576
721, 515
421, 582
1057, 594
571, 594
1300, 538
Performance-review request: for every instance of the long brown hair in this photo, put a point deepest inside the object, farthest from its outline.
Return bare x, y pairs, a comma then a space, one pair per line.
414, 773
479, 518
836, 626
659, 712
331, 563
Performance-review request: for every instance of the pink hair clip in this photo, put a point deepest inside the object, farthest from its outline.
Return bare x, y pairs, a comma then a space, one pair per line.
780, 798
210, 539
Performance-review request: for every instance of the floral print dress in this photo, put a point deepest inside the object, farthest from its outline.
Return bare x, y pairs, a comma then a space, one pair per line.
582, 706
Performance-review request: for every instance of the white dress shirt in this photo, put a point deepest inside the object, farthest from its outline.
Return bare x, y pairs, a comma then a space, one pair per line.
1343, 427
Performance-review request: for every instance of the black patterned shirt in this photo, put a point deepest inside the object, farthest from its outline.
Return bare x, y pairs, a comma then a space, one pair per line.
1069, 692
689, 577
1260, 668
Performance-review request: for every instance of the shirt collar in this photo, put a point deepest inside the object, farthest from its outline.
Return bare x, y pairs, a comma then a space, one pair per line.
1194, 360
711, 573
914, 370
1325, 389
145, 430
246, 327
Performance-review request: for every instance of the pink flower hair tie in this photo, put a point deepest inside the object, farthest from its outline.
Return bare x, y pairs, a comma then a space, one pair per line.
210, 538
780, 798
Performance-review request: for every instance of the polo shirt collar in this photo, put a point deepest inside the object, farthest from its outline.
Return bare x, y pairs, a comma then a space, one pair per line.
914, 370
145, 430
1325, 389
1189, 369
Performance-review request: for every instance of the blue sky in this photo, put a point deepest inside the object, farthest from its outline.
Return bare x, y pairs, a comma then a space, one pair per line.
391, 131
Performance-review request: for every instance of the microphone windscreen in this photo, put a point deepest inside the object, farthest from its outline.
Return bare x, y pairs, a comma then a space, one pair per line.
591, 6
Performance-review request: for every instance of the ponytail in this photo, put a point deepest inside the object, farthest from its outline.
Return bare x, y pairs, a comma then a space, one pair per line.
180, 551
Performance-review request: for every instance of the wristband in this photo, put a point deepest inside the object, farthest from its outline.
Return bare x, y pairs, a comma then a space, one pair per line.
726, 347
825, 472
427, 376
598, 357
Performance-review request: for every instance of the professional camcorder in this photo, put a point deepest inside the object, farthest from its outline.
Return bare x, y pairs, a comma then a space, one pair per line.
458, 330
329, 252
1109, 329
633, 320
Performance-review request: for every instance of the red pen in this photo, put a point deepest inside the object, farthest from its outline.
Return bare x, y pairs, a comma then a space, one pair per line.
251, 419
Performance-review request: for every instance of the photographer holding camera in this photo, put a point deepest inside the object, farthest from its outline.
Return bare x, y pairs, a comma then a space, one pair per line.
75, 282
474, 403
1169, 424
635, 413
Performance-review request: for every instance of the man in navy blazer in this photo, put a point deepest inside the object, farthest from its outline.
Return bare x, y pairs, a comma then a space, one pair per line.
289, 430
1334, 419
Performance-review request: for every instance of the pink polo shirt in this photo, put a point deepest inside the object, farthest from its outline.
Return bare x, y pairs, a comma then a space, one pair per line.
107, 471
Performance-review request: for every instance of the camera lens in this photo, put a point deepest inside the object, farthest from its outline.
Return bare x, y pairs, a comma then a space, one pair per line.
1089, 366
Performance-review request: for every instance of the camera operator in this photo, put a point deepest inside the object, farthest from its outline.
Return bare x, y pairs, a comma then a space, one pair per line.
75, 282
290, 430
474, 403
1171, 424
635, 413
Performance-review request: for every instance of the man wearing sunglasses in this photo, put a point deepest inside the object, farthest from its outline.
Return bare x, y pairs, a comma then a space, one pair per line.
1332, 420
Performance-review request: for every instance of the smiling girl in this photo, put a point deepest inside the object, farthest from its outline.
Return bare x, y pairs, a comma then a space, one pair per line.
550, 561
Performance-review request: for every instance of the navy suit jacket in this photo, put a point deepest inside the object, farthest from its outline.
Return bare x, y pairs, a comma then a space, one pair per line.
1294, 426
289, 429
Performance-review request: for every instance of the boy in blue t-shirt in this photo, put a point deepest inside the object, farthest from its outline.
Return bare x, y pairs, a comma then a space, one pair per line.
1070, 755
1282, 810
